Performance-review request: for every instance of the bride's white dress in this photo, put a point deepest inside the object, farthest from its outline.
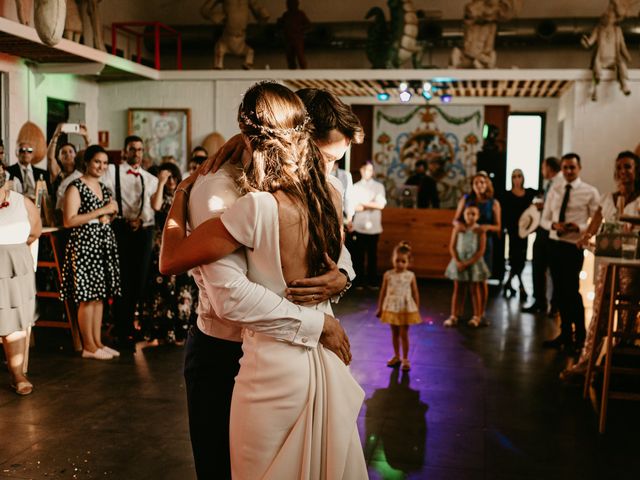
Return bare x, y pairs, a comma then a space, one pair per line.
294, 409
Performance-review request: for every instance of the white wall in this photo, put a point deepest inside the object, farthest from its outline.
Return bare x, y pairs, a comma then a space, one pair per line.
28, 93
116, 98
600, 130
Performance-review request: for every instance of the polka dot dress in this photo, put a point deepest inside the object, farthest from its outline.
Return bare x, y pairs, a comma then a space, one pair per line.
91, 268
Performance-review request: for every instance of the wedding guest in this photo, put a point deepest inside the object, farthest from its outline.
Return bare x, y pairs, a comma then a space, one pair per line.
91, 270
516, 201
625, 200
427, 188
132, 188
369, 198
19, 227
171, 300
61, 161
490, 221
346, 180
570, 204
26, 173
540, 262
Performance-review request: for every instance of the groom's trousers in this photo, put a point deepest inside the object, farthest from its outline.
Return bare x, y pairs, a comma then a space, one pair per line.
210, 367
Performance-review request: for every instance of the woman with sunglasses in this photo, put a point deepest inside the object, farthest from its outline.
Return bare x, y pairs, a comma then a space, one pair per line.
516, 201
171, 300
625, 200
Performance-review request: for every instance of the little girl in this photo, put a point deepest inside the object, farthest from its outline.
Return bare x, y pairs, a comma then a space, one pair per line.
398, 303
467, 246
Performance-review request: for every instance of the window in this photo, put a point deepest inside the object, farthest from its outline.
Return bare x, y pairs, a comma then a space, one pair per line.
525, 142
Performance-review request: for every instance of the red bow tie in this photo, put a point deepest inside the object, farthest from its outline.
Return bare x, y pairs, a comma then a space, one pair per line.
133, 172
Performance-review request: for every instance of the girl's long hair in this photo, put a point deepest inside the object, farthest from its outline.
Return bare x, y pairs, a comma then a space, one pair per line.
275, 123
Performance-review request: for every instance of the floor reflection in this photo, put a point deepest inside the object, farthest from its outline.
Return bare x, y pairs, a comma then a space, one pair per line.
396, 428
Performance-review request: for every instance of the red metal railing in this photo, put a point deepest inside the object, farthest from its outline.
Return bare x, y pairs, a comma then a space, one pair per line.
158, 30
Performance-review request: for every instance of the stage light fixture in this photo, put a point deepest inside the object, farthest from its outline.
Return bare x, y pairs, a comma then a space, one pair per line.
405, 96
446, 98
426, 87
427, 94
403, 87
383, 96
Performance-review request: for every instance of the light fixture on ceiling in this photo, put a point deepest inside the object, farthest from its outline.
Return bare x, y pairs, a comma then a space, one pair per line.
405, 96
446, 97
383, 96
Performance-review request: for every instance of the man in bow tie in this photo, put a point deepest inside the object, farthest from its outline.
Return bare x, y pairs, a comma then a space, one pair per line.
132, 187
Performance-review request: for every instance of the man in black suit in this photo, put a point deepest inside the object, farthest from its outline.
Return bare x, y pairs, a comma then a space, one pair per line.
427, 189
26, 173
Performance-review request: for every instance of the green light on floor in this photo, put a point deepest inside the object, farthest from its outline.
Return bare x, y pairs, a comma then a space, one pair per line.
379, 463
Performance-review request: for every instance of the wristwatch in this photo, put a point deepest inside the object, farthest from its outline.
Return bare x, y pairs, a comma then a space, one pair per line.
348, 284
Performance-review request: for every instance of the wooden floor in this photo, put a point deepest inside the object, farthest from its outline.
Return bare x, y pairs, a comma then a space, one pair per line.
477, 404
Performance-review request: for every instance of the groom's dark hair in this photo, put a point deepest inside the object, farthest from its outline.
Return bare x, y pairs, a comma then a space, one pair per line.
328, 113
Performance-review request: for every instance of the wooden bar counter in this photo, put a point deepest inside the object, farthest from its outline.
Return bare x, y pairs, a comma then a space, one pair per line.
427, 230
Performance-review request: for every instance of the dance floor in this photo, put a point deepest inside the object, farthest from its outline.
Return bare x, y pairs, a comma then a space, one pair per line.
477, 404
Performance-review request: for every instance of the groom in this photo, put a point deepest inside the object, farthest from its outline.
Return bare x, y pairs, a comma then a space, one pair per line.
230, 301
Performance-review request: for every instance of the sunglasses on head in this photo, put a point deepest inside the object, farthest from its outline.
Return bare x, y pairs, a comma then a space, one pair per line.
25, 150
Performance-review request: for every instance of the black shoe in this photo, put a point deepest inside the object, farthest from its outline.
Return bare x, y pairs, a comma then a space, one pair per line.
534, 308
523, 295
557, 342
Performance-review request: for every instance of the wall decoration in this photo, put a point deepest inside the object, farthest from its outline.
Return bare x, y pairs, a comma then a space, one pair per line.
48, 18
294, 23
481, 18
447, 138
390, 46
32, 134
73, 22
610, 48
213, 142
23, 8
166, 133
234, 14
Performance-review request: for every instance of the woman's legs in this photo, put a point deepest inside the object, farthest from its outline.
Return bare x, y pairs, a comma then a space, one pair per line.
14, 346
96, 323
85, 321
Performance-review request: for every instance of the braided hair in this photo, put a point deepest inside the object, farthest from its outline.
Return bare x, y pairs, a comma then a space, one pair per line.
284, 158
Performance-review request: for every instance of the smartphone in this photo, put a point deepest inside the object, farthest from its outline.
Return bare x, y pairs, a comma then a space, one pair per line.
70, 128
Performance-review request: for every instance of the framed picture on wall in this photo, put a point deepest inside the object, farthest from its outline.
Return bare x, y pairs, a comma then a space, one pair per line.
166, 133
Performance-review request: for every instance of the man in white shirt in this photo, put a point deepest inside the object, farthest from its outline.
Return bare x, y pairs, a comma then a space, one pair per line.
369, 198
346, 181
570, 203
228, 301
132, 187
540, 262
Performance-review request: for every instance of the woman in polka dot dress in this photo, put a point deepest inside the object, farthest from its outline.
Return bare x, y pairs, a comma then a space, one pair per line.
91, 271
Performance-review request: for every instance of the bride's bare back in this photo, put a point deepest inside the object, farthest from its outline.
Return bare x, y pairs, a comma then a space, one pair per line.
294, 235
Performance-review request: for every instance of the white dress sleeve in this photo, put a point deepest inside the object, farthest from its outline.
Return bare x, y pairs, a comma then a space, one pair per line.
241, 219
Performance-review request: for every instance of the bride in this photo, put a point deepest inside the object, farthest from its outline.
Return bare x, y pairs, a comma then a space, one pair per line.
294, 409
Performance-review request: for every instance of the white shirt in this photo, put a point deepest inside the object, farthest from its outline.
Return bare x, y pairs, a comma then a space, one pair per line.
28, 180
131, 189
229, 301
14, 221
368, 221
610, 210
584, 201
346, 182
62, 188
